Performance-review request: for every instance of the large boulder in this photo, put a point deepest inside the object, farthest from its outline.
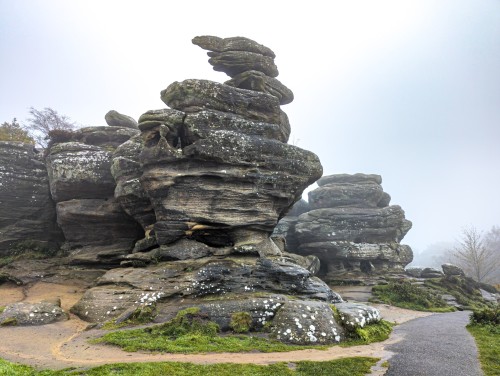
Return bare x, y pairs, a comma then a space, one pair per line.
79, 171
28, 212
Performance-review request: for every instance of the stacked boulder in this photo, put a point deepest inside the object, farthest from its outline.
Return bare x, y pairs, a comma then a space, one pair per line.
96, 229
352, 229
218, 174
27, 215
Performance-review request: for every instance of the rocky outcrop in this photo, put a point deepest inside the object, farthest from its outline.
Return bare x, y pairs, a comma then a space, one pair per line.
96, 229
351, 228
208, 181
27, 211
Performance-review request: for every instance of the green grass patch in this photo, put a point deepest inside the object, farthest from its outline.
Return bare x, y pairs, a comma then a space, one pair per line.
488, 343
135, 340
376, 332
358, 366
406, 295
192, 332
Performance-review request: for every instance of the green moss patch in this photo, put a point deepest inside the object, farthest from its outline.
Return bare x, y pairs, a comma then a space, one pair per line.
376, 332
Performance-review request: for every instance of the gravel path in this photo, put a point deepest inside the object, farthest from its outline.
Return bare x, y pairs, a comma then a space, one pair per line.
437, 345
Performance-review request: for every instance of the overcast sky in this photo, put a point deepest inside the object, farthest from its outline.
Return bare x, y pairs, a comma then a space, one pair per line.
409, 90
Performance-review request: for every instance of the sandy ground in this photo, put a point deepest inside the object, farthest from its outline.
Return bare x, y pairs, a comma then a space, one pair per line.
65, 344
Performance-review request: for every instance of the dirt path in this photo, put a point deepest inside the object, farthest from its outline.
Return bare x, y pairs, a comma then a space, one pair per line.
65, 344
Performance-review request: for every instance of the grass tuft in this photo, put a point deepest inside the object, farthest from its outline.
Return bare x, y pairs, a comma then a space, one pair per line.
240, 322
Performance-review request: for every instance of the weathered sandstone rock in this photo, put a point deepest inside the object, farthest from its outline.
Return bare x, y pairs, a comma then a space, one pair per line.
27, 210
115, 119
219, 175
351, 228
450, 269
22, 314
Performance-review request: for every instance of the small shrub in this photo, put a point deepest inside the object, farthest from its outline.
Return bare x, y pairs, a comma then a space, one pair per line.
485, 316
60, 135
240, 322
187, 321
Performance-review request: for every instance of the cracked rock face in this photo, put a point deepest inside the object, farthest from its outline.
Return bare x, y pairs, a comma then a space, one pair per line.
27, 210
351, 228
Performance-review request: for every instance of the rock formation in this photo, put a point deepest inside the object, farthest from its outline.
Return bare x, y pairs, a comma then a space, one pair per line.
115, 119
27, 210
178, 211
96, 229
208, 181
351, 228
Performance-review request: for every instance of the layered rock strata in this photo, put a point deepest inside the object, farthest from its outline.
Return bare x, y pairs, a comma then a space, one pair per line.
96, 229
352, 229
27, 211
218, 174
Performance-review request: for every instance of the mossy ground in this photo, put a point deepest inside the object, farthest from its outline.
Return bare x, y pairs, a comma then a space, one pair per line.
191, 332
359, 366
407, 295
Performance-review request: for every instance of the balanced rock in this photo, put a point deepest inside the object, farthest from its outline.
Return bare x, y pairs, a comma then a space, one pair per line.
115, 119
28, 212
219, 175
351, 228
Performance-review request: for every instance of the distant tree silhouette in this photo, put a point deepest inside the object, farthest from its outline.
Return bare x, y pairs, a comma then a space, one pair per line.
14, 132
43, 121
478, 254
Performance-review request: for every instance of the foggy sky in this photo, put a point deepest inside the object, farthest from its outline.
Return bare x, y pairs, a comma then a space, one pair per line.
409, 90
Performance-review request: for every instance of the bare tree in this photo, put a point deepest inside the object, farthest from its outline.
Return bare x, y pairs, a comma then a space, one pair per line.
492, 242
475, 255
43, 121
